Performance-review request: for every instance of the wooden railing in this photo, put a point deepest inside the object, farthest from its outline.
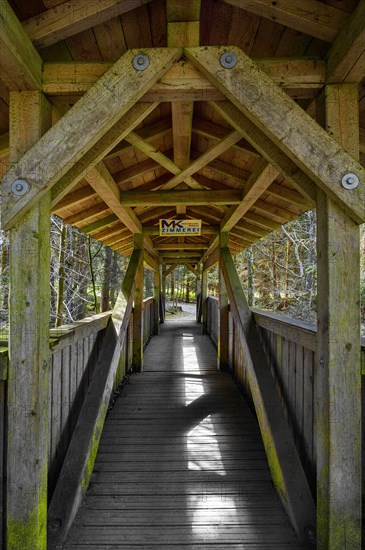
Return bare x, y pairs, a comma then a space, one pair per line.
291, 349
74, 351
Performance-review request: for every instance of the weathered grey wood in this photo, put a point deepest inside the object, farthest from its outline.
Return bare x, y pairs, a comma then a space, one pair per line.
21, 64
186, 475
286, 469
138, 311
204, 294
29, 251
81, 127
338, 398
287, 124
222, 317
156, 301
293, 329
79, 462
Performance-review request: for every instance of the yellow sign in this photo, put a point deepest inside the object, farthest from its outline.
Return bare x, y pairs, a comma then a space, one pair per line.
172, 228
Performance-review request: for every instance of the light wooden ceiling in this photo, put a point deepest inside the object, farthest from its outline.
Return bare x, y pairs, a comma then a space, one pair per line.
183, 128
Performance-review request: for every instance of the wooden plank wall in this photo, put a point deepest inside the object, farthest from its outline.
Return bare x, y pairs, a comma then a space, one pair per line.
74, 351
290, 346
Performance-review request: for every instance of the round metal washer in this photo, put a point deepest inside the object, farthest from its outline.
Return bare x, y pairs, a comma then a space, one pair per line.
350, 181
20, 187
141, 62
228, 60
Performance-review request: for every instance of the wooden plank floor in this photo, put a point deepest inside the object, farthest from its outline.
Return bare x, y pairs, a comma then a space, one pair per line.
181, 464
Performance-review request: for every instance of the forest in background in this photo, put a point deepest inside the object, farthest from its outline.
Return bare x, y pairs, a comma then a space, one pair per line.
279, 273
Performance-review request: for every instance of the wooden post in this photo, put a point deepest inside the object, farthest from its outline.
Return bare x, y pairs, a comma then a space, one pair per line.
338, 405
138, 312
156, 304
204, 295
198, 300
163, 294
27, 464
223, 312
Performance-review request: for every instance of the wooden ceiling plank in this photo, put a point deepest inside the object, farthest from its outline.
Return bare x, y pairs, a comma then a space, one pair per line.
205, 159
225, 168
99, 178
75, 198
73, 17
261, 178
150, 150
307, 16
288, 195
4, 145
298, 136
136, 171
268, 149
90, 228
215, 132
88, 214
346, 58
66, 142
122, 127
21, 64
261, 221
180, 197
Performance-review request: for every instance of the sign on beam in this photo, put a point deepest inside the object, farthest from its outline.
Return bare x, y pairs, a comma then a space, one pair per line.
180, 227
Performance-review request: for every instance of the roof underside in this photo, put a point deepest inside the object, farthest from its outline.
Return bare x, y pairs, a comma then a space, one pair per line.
184, 118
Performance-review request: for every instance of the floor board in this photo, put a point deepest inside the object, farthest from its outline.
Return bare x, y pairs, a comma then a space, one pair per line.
181, 464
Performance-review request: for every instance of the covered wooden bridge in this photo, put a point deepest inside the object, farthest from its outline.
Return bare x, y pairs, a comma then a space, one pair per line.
237, 116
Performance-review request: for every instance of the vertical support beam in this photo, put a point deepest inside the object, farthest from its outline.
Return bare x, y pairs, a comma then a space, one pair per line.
138, 311
156, 304
163, 294
339, 370
27, 467
204, 295
198, 300
223, 310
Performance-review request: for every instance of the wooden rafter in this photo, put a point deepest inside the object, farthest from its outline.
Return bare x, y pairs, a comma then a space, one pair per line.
66, 142
99, 224
100, 179
258, 182
180, 197
293, 131
181, 246
72, 77
21, 64
183, 29
122, 127
346, 58
73, 17
205, 159
73, 199
268, 149
150, 150
159, 129
308, 16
